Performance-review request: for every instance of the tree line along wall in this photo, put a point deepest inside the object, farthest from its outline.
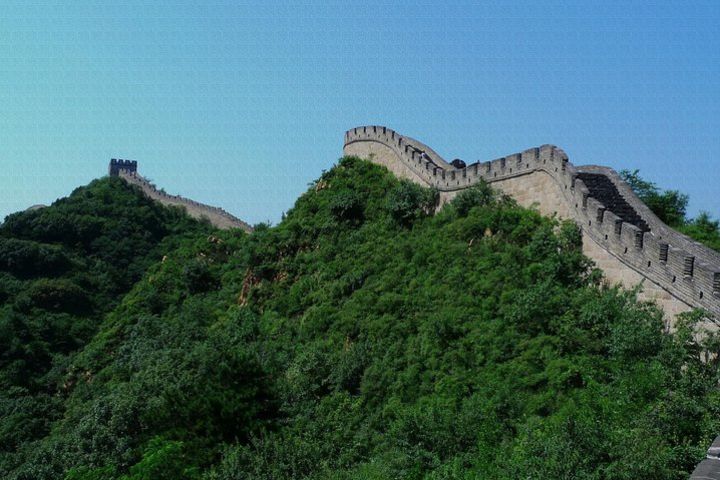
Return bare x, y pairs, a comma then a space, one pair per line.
127, 170
620, 233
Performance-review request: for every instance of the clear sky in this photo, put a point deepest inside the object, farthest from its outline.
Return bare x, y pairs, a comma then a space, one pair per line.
240, 105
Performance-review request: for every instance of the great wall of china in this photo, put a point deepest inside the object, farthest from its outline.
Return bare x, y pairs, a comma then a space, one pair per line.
620, 233
127, 170
625, 239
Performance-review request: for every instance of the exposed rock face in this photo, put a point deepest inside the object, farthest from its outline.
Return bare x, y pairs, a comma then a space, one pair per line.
620, 233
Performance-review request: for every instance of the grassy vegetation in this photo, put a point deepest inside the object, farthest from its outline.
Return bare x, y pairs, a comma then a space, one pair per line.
364, 337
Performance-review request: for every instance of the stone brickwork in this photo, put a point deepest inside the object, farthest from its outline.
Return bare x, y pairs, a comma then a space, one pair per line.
709, 469
119, 164
620, 233
127, 170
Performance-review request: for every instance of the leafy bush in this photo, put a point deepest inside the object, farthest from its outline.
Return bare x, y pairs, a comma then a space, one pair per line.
62, 269
478, 195
362, 338
409, 202
26, 259
703, 229
347, 205
58, 295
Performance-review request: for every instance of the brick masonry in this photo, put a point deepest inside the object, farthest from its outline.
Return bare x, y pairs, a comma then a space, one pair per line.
127, 170
620, 233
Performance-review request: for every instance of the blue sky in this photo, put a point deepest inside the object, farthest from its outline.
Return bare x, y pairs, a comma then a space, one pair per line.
241, 105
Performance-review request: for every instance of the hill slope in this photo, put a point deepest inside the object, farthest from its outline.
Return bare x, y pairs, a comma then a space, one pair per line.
364, 337
62, 268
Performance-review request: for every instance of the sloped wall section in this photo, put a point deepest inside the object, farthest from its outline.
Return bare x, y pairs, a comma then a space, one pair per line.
620, 233
709, 469
217, 216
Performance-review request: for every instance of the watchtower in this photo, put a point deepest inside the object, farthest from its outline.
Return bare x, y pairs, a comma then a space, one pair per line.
118, 164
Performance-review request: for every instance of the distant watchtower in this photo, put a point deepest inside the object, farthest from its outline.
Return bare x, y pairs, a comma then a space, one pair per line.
118, 164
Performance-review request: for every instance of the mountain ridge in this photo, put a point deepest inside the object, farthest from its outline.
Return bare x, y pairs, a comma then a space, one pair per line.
675, 270
367, 335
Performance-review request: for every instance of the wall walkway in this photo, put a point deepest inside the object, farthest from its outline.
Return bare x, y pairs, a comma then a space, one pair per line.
216, 216
620, 233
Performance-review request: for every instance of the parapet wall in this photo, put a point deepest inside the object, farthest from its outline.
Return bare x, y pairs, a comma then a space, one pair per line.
216, 216
119, 164
709, 468
620, 232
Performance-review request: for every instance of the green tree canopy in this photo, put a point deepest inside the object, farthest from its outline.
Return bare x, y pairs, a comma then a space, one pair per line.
360, 338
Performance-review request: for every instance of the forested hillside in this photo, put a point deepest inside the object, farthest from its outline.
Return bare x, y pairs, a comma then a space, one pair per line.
364, 337
62, 268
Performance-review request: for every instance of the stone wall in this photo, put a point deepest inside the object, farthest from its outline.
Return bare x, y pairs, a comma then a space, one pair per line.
709, 469
119, 164
216, 216
626, 240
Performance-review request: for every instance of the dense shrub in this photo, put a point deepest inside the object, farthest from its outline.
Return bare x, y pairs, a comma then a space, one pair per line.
478, 195
408, 202
25, 259
62, 268
364, 338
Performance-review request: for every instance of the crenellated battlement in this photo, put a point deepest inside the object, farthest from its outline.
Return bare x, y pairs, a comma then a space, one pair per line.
116, 165
630, 243
127, 170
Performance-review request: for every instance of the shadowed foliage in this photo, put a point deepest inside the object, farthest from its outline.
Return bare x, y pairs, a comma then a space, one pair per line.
363, 337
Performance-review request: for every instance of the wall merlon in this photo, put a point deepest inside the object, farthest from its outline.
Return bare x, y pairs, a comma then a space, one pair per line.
676, 261
688, 266
592, 204
600, 214
216, 216
585, 197
609, 221
652, 248
580, 187
704, 277
546, 154
639, 239
635, 237
627, 235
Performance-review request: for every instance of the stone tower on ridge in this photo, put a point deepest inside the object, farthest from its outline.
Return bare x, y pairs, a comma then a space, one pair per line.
118, 164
